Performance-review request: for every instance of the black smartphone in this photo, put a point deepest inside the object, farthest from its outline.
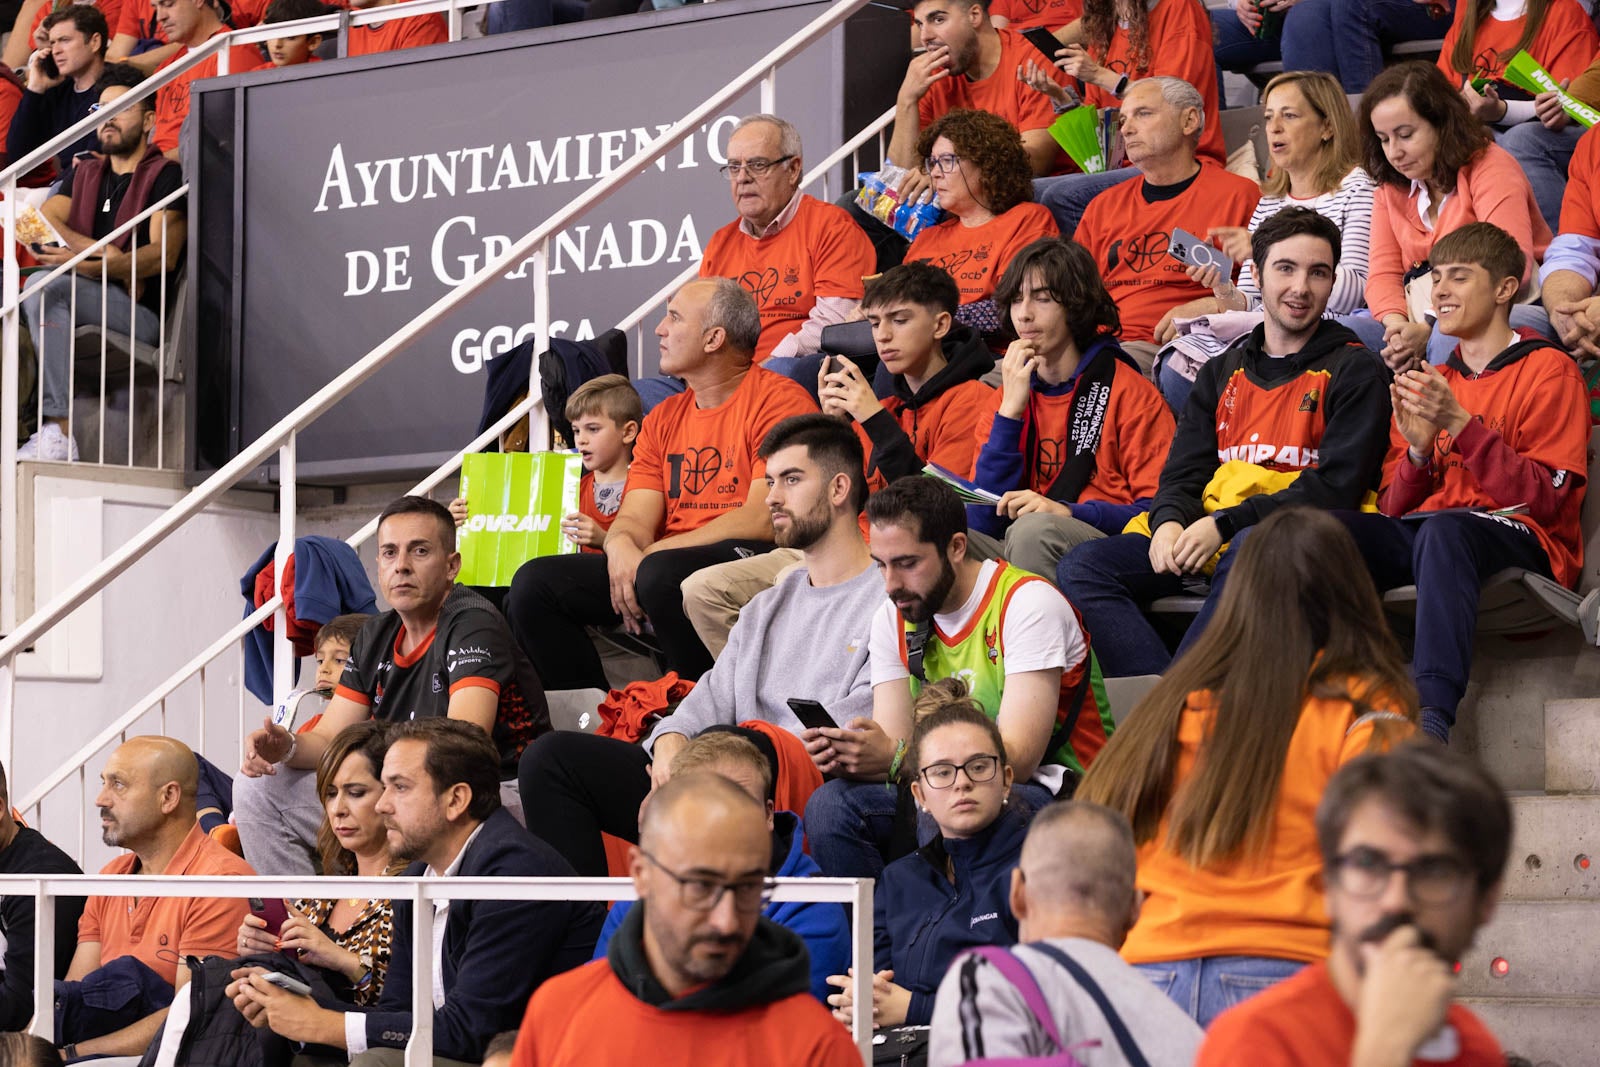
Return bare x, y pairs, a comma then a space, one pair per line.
1044, 41
47, 66
812, 716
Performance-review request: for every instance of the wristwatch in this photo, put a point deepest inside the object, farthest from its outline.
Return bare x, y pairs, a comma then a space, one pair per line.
364, 979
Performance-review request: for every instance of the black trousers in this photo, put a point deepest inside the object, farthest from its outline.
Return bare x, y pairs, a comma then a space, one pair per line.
574, 786
554, 597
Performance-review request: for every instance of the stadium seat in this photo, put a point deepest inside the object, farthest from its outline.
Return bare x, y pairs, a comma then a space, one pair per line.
1260, 74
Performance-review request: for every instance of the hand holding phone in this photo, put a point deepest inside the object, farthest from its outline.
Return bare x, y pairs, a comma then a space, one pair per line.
1185, 247
284, 981
272, 911
812, 715
1044, 41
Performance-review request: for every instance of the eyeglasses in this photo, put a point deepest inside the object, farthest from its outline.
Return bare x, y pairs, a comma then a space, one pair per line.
704, 894
753, 167
978, 769
945, 164
1433, 879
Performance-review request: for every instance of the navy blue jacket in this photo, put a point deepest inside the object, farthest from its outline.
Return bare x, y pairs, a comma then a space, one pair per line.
922, 920
496, 952
329, 581
821, 924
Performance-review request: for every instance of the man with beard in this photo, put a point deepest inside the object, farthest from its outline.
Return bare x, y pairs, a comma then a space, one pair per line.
441, 804
1009, 635
104, 192
695, 974
130, 948
805, 638
1384, 997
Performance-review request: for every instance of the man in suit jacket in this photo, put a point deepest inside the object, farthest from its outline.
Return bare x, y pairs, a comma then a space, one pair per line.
441, 803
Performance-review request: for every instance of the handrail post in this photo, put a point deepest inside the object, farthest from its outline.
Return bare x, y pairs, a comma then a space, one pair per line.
9, 381
44, 958
454, 21
769, 92
861, 918
541, 332
419, 1050
283, 659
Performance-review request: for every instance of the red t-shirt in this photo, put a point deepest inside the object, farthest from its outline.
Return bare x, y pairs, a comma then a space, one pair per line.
1128, 235
137, 19
111, 9
976, 256
10, 100
703, 460
1000, 92
398, 33
587, 505
1304, 1022
821, 252
1563, 44
1539, 407
1180, 47
1578, 204
1025, 14
172, 99
1134, 437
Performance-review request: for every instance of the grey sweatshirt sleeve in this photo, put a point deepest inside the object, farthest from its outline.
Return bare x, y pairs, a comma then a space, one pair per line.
978, 1014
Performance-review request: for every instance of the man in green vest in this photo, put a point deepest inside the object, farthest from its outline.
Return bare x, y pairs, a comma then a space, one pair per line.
1009, 635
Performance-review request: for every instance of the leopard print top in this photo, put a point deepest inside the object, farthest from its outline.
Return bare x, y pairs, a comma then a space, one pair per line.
372, 934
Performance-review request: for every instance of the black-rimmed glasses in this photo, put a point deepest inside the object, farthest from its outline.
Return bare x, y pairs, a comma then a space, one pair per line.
945, 164
977, 769
753, 167
1431, 879
703, 894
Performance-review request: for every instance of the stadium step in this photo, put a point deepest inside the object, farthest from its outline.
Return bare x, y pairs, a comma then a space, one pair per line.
1555, 849
1536, 948
1572, 746
1546, 1031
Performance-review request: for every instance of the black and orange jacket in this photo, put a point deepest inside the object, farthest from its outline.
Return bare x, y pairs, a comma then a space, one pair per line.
938, 422
1323, 411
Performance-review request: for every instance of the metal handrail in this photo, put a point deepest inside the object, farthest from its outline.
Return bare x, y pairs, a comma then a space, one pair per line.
421, 893
533, 244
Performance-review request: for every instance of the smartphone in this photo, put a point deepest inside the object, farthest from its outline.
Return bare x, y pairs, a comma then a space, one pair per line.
47, 66
812, 716
283, 981
1185, 247
1044, 41
273, 911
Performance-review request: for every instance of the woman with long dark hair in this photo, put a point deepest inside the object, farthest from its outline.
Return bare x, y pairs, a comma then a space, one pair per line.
1221, 766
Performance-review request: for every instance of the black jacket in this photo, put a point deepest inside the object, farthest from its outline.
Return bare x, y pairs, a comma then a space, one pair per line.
1355, 433
967, 359
496, 952
30, 853
774, 966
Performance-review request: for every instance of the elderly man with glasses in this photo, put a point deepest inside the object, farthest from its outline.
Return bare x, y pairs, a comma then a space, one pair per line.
1414, 846
800, 258
696, 974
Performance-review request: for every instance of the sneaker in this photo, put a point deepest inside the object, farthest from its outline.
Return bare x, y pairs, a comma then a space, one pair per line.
50, 444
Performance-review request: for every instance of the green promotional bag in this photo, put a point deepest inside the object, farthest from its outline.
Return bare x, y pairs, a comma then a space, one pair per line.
515, 503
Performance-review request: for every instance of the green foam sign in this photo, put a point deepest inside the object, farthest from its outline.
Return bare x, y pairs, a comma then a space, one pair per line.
1524, 72
515, 503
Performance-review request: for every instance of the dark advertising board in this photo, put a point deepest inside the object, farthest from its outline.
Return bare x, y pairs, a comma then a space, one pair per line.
335, 204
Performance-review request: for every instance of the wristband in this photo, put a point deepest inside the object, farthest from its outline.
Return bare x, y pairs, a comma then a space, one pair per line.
899, 758
69, 1052
294, 743
1419, 459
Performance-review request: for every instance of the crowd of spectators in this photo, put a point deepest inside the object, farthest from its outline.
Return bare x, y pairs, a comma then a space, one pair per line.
900, 675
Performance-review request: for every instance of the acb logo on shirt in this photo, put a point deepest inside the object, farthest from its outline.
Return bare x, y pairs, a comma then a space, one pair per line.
695, 470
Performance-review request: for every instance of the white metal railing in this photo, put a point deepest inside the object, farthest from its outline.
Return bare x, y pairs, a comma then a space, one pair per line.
420, 892
281, 437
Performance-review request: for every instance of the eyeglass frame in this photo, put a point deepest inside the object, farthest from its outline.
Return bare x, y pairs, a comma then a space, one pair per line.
756, 168
767, 886
937, 164
1389, 867
962, 768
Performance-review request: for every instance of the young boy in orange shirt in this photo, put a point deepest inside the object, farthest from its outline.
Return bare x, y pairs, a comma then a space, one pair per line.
1486, 464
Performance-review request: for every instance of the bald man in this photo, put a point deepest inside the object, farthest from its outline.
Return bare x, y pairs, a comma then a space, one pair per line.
697, 944
147, 806
1075, 900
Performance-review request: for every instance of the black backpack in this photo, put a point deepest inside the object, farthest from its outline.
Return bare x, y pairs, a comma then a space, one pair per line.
568, 364
216, 1034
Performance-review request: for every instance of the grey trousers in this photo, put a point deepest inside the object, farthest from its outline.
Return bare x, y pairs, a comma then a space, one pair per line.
1035, 542
278, 816
373, 1057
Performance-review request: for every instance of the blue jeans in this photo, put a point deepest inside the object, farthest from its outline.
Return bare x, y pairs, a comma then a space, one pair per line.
519, 15
1447, 558
1544, 155
1236, 48
1175, 387
1110, 582
1441, 345
1207, 987
1067, 195
849, 825
1346, 38
51, 319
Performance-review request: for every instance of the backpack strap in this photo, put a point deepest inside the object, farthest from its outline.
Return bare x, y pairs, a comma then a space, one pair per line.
1119, 1030
1016, 972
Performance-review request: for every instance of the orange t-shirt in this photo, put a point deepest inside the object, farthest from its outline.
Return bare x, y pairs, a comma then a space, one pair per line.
172, 99
1180, 47
111, 9
944, 430
976, 256
588, 506
158, 930
1128, 235
10, 100
1580, 205
821, 252
1302, 1021
398, 33
1254, 904
1134, 437
703, 460
137, 19
1563, 44
588, 1016
1001, 92
1539, 406
1025, 14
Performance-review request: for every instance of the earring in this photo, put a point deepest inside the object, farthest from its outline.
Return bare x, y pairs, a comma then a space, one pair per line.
1005, 800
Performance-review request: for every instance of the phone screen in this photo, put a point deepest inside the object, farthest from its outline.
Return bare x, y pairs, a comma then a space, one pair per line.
812, 715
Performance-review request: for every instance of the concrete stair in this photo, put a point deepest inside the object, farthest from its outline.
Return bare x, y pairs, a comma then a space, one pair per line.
1533, 975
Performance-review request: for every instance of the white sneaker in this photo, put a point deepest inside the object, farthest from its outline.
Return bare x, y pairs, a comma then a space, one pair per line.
50, 444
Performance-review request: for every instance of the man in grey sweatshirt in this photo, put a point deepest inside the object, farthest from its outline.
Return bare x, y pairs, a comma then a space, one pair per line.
805, 638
